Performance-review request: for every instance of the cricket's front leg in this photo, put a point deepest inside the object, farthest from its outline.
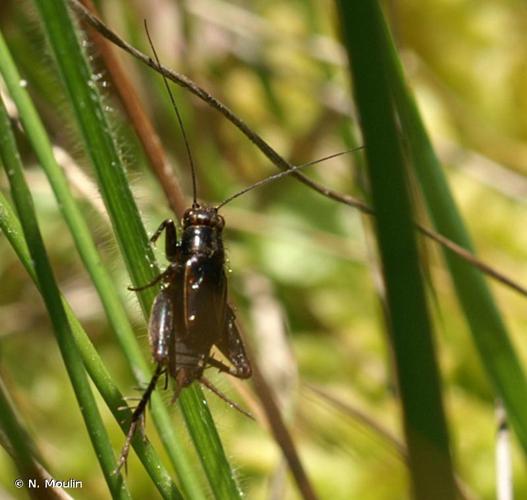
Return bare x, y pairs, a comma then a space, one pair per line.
171, 251
171, 242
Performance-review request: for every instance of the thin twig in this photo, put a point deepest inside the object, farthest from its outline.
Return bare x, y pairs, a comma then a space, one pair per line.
190, 85
472, 259
278, 160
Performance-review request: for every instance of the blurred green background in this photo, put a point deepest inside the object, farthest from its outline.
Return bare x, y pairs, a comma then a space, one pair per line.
303, 275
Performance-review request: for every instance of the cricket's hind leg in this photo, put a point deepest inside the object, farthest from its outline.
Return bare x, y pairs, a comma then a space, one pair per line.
161, 326
231, 346
138, 417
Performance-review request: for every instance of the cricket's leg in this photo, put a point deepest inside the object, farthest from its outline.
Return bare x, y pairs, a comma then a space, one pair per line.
155, 281
161, 326
209, 385
171, 251
137, 417
171, 243
231, 345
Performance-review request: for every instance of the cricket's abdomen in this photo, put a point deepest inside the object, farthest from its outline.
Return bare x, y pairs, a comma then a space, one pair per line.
199, 302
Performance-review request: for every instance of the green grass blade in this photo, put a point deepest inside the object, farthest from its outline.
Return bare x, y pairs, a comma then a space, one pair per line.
489, 332
10, 226
50, 293
17, 442
123, 212
77, 224
109, 297
197, 412
411, 331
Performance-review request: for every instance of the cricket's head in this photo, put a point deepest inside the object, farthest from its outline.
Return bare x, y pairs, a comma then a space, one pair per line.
203, 216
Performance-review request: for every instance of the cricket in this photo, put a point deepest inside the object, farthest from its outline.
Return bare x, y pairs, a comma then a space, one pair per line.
191, 314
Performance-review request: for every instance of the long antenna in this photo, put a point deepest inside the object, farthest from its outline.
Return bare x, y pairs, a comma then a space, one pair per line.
180, 121
279, 175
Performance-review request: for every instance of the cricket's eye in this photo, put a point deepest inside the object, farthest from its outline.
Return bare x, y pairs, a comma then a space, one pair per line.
220, 222
192, 218
187, 218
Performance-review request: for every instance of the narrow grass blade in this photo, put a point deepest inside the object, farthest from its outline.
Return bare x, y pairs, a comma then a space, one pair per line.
109, 297
411, 330
77, 224
50, 293
10, 226
498, 356
18, 443
123, 212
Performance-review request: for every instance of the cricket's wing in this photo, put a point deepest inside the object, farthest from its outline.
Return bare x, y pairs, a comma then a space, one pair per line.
204, 301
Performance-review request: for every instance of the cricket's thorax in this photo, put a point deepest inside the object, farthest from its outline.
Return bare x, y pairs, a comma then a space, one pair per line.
204, 240
202, 228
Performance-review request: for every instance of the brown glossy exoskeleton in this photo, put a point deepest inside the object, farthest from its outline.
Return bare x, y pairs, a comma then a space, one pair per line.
191, 314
